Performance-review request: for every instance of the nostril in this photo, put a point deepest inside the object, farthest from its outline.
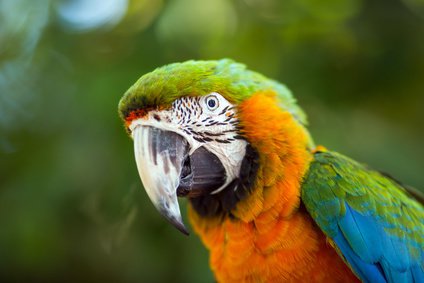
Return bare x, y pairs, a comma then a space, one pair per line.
156, 117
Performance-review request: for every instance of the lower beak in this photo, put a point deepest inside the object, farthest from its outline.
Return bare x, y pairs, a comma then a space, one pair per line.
160, 156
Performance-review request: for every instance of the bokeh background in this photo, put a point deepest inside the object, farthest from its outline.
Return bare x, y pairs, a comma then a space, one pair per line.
72, 208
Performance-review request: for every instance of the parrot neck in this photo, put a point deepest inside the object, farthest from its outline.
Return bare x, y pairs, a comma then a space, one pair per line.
284, 156
270, 237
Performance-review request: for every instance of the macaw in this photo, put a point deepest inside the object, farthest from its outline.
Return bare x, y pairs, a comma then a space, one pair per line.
268, 204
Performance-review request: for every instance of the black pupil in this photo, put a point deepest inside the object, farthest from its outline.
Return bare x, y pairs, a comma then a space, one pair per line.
211, 103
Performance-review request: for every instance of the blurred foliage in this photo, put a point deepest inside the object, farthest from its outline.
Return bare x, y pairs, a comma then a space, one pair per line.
71, 204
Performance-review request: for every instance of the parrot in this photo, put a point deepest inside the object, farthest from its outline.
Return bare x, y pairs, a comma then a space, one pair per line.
267, 203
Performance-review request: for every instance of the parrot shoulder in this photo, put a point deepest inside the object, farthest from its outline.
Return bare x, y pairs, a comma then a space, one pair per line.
376, 226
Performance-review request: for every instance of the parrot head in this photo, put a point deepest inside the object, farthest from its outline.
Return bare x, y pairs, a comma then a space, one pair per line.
188, 124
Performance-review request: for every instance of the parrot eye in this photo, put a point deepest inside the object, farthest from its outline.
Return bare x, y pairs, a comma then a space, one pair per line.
212, 102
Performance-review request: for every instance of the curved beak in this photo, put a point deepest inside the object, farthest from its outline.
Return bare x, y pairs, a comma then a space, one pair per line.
160, 157
167, 170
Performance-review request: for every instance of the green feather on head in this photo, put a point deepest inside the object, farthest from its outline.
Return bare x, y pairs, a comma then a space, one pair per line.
197, 78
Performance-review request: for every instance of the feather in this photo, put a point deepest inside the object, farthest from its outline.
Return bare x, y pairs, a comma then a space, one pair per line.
395, 275
363, 234
366, 271
380, 231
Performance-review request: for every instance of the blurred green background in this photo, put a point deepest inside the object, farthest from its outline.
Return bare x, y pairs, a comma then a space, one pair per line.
72, 208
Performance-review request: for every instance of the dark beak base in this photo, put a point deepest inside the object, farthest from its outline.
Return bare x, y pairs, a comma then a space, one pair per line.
202, 173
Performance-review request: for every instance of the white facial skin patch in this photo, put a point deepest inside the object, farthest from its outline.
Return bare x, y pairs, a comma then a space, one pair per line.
209, 121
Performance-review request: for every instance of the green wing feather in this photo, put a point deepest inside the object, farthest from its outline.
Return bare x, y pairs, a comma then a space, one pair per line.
377, 226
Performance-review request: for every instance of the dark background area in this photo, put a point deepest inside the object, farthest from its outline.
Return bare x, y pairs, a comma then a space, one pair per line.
72, 208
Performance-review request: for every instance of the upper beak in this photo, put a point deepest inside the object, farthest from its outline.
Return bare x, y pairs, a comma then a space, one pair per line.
167, 170
160, 156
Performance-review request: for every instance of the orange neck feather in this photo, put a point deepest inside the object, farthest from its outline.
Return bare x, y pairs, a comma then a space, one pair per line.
271, 239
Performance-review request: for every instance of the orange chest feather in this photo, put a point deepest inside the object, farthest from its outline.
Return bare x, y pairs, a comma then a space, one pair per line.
277, 250
271, 239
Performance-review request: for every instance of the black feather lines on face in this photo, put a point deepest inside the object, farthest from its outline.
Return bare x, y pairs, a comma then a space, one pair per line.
188, 111
223, 128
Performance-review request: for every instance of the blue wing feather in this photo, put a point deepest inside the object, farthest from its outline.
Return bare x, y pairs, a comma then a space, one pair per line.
376, 227
367, 272
417, 273
363, 234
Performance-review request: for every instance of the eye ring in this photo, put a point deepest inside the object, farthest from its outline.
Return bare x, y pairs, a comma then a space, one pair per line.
212, 102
